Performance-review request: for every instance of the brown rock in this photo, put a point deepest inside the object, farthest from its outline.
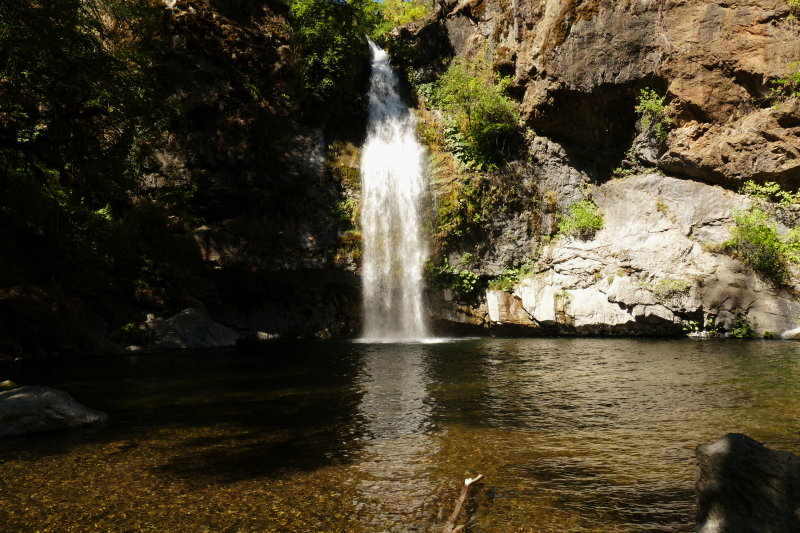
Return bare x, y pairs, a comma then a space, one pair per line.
742, 486
41, 320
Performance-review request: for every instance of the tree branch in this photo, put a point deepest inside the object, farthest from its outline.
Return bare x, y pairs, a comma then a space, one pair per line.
450, 526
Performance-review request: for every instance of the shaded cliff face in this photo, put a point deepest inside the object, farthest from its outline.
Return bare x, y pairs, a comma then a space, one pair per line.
578, 67
264, 191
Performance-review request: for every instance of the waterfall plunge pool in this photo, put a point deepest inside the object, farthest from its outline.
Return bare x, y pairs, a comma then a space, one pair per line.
572, 435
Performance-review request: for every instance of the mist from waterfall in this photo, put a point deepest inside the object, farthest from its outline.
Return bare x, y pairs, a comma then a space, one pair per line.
392, 188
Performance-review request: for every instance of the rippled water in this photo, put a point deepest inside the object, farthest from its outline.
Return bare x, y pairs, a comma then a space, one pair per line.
571, 434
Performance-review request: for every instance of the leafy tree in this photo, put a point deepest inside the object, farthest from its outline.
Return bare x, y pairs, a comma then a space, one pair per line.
80, 111
332, 53
482, 118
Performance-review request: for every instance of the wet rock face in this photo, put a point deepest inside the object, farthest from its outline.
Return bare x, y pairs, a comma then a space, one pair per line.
744, 487
33, 409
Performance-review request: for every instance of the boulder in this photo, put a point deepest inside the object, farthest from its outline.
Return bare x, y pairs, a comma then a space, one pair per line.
8, 385
42, 318
791, 335
190, 328
31, 409
744, 487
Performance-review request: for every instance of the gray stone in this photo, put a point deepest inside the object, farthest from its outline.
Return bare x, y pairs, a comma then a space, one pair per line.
791, 335
744, 487
31, 409
190, 328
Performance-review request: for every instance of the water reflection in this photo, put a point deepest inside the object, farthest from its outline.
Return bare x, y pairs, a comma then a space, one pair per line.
577, 435
393, 466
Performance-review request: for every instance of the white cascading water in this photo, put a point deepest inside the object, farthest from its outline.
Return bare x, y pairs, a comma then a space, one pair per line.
392, 188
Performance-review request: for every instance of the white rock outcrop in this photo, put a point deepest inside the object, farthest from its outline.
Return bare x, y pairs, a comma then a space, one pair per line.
650, 270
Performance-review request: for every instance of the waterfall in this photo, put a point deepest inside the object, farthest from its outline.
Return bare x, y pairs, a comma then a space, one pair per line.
392, 187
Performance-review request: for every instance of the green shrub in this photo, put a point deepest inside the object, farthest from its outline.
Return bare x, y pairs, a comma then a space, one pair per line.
445, 276
346, 213
137, 334
742, 328
666, 289
653, 112
506, 280
755, 239
399, 12
789, 85
583, 219
770, 192
768, 335
480, 117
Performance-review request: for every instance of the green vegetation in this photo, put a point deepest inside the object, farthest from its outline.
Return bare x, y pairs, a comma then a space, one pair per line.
445, 276
480, 118
466, 258
768, 335
583, 219
742, 328
328, 39
755, 239
346, 213
399, 12
137, 334
653, 112
505, 281
770, 192
512, 276
81, 115
667, 289
789, 85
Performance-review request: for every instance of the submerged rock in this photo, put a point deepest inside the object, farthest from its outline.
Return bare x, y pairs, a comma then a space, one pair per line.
32, 409
742, 486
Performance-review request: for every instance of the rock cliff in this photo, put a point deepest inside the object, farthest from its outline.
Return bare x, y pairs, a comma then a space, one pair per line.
577, 68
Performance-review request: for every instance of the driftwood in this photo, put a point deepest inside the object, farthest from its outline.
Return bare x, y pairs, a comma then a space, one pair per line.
450, 526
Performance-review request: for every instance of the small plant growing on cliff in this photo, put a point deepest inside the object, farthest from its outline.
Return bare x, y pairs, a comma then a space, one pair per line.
654, 113
770, 192
583, 220
755, 239
742, 329
789, 85
506, 280
667, 289
346, 213
137, 334
447, 277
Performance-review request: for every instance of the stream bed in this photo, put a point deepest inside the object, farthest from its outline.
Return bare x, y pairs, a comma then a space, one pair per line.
578, 435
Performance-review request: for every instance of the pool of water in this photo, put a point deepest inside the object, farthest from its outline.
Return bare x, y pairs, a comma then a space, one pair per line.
577, 435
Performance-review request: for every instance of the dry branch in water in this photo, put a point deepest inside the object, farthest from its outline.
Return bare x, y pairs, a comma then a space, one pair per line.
450, 526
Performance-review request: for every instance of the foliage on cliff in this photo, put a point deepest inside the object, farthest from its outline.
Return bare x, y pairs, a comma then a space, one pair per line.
81, 111
480, 118
328, 40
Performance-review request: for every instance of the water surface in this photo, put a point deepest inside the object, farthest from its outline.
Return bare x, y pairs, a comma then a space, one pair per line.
571, 434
